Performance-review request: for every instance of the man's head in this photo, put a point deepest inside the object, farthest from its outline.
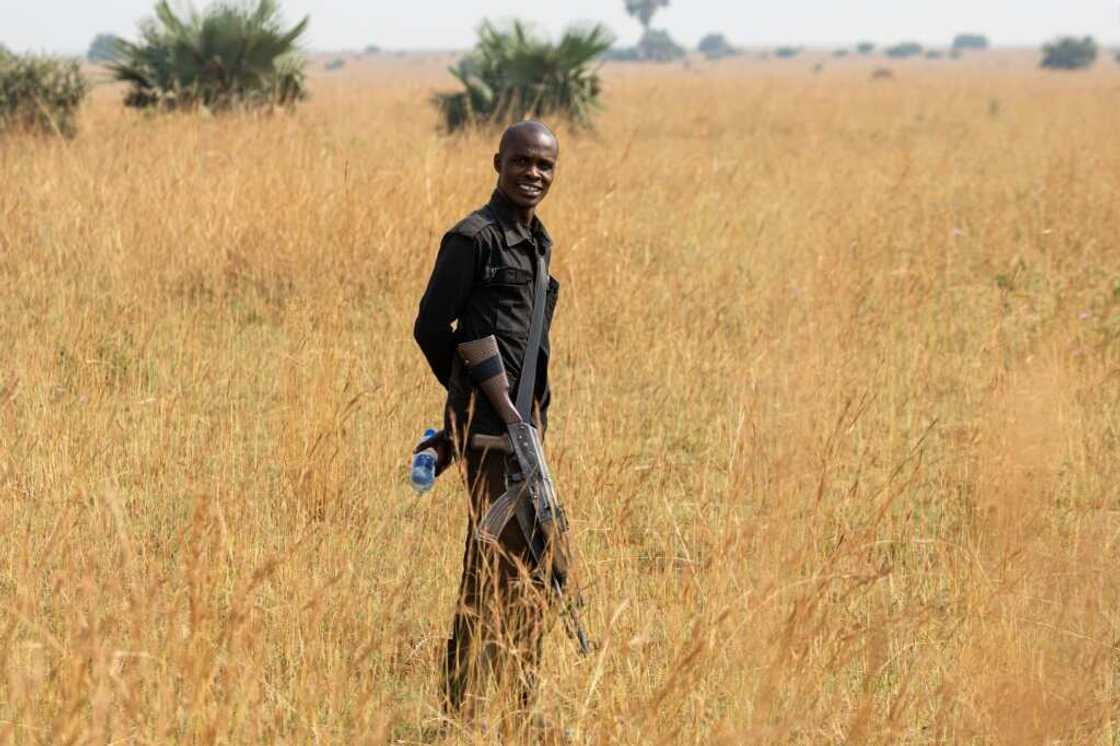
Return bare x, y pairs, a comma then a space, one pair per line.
526, 163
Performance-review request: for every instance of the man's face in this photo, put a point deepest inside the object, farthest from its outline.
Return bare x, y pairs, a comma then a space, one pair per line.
526, 167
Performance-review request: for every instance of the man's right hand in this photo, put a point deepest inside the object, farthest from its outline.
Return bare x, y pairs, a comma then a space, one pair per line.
441, 444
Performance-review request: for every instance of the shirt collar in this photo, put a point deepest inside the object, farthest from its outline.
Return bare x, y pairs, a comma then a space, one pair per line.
512, 229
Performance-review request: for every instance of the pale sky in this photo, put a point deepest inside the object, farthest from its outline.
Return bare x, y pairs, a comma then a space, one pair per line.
69, 25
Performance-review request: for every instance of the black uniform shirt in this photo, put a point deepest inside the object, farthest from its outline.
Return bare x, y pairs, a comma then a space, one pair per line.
484, 282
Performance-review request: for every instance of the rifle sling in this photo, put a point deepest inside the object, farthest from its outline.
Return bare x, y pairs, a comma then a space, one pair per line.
528, 380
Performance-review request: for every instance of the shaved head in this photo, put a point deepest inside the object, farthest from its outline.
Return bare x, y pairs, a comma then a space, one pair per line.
526, 164
530, 131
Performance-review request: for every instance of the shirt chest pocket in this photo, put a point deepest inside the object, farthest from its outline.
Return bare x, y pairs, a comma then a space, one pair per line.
510, 295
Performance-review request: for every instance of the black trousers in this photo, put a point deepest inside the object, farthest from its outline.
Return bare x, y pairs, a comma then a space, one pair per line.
499, 619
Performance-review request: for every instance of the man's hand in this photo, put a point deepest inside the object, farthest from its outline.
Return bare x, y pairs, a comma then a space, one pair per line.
441, 444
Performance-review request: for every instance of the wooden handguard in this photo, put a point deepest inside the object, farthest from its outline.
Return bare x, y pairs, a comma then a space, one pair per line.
484, 362
483, 442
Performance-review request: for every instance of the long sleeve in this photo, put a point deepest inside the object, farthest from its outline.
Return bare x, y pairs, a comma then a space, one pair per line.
448, 290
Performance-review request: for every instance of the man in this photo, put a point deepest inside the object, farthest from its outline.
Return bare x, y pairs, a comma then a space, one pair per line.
484, 282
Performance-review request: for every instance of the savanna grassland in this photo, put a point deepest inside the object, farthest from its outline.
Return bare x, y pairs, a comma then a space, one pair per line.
837, 413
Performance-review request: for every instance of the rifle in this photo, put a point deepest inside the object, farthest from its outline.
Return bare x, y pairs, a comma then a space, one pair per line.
530, 494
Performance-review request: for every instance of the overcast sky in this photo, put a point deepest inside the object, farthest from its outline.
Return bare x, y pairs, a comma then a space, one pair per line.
68, 25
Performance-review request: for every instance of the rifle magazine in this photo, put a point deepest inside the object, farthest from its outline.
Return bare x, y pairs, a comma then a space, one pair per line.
498, 515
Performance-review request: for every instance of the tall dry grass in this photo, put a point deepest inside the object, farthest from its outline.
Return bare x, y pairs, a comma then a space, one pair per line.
837, 380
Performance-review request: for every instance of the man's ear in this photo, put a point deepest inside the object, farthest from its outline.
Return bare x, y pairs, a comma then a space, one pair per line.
498, 163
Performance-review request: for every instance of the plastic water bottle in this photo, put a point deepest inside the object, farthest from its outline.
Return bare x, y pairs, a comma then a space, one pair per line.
422, 475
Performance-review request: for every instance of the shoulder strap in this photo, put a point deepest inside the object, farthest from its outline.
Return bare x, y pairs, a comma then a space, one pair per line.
528, 380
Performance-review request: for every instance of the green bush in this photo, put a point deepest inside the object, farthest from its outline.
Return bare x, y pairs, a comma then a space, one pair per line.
102, 48
865, 47
231, 55
512, 75
654, 46
964, 42
716, 46
1069, 53
335, 64
657, 46
904, 50
40, 94
622, 54
787, 52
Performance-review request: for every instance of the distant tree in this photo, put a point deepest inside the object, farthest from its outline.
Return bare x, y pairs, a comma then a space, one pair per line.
904, 50
963, 42
622, 54
716, 46
372, 49
1118, 56
657, 46
512, 75
1069, 53
40, 94
865, 47
334, 64
840, 53
102, 48
227, 56
787, 52
644, 10
4, 52
934, 54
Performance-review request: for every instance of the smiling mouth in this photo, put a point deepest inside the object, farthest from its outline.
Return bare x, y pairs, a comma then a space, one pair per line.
530, 190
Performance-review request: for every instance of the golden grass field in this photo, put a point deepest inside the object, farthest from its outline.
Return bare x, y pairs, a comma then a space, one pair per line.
837, 413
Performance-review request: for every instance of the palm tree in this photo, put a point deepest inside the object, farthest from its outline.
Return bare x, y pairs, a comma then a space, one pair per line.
230, 55
644, 10
512, 75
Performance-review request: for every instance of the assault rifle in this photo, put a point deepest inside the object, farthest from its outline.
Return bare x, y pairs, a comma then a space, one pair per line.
530, 494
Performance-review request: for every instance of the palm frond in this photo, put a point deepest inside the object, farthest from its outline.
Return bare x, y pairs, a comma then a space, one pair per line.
512, 74
230, 55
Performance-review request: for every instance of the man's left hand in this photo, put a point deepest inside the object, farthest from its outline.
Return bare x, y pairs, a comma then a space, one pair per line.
441, 444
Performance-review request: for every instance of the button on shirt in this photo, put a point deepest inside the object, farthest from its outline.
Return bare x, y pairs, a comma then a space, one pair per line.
483, 283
